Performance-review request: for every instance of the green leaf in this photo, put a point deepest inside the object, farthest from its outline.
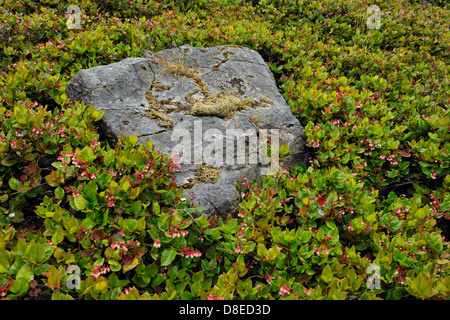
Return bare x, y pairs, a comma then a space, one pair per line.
261, 250
36, 252
158, 279
434, 137
59, 193
101, 285
284, 150
20, 286
202, 222
80, 202
88, 223
156, 208
130, 225
421, 287
13, 183
58, 295
306, 236
126, 185
327, 274
25, 272
167, 256
90, 191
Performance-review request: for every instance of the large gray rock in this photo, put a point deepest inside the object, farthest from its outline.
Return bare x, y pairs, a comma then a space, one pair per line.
188, 90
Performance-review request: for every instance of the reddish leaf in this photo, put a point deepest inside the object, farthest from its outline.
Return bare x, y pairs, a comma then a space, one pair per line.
88, 252
35, 292
33, 284
157, 289
98, 234
127, 259
32, 168
321, 201
138, 252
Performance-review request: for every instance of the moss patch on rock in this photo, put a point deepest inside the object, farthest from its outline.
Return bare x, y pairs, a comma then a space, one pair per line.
219, 105
161, 118
204, 174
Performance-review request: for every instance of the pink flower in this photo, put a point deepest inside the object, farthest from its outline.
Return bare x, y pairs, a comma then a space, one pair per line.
433, 175
175, 161
157, 243
239, 250
13, 144
50, 243
190, 253
285, 290
110, 200
99, 270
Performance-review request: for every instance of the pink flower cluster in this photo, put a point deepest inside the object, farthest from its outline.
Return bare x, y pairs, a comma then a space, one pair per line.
141, 175
399, 276
239, 250
319, 250
74, 158
213, 297
5, 288
94, 144
83, 231
190, 253
285, 290
75, 192
336, 122
177, 233
110, 200
390, 158
315, 144
50, 243
99, 270
370, 145
122, 246
126, 291
242, 214
38, 132
157, 243
175, 161
433, 175
401, 211
62, 131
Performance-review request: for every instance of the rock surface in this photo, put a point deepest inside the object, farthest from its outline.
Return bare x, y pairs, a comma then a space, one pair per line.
202, 92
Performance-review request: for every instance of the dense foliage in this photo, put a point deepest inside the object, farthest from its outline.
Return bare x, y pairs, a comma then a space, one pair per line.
374, 200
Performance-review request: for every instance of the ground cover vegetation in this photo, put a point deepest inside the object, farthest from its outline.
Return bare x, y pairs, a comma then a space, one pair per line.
368, 218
